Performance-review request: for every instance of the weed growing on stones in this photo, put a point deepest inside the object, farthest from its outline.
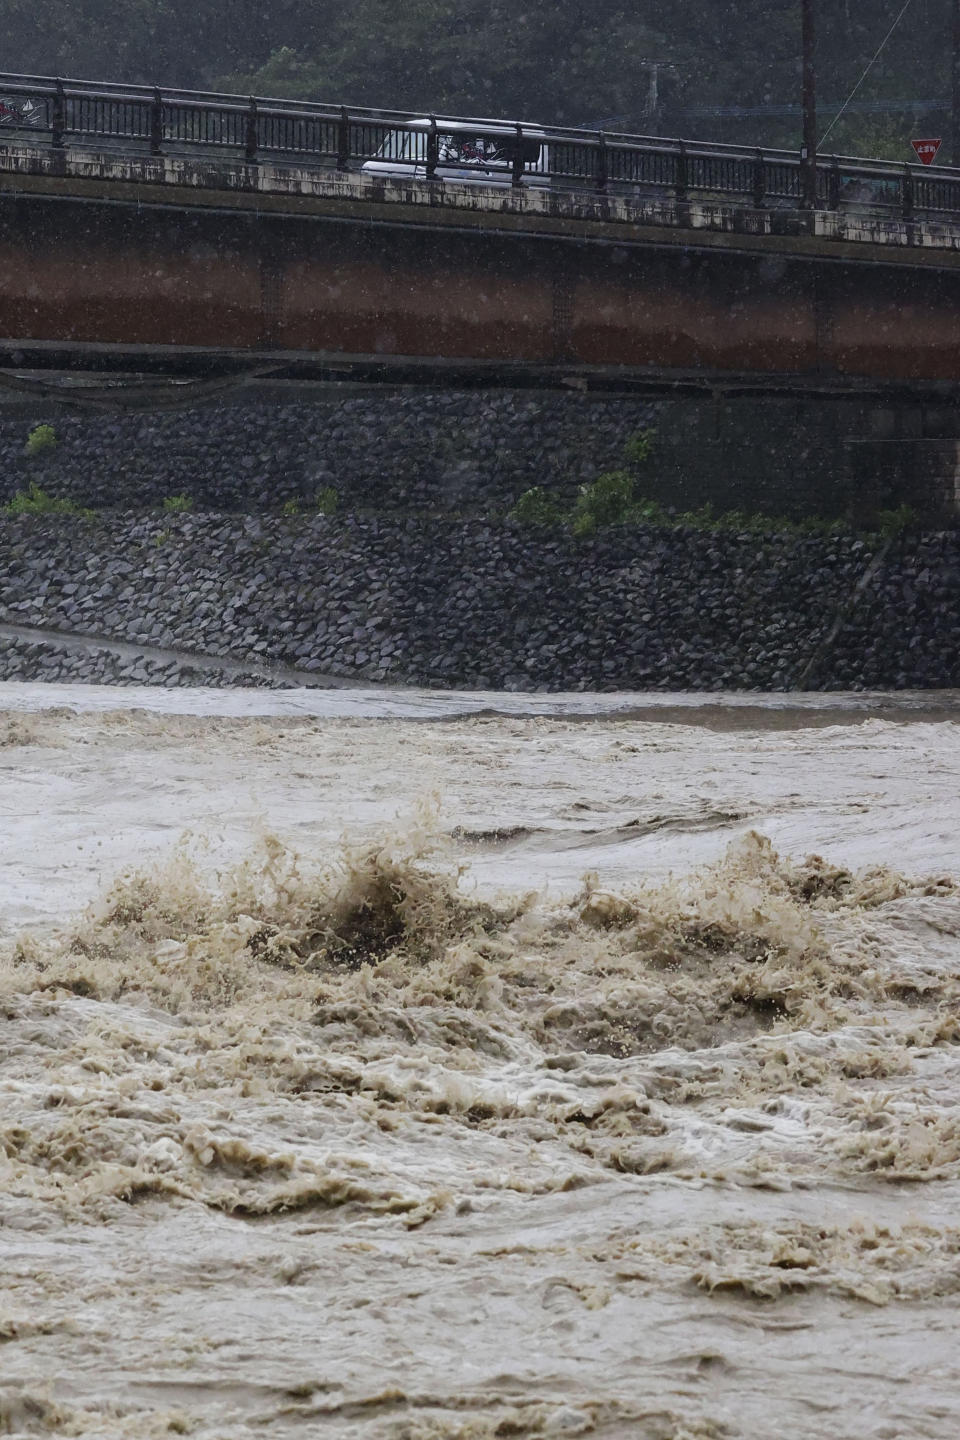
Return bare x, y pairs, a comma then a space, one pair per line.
327, 501
41, 439
605, 501
609, 501
536, 507
894, 522
178, 504
34, 501
638, 448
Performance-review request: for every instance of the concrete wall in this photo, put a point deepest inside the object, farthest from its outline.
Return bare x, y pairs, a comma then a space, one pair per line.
781, 456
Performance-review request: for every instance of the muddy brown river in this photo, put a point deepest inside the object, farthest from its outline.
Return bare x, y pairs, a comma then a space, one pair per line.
403, 1066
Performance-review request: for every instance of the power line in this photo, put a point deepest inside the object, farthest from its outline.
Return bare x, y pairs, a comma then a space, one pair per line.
866, 72
858, 107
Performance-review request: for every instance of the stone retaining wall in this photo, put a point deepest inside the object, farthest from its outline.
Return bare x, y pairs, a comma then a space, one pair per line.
462, 451
464, 603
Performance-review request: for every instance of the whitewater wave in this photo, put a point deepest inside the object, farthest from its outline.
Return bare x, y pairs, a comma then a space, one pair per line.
380, 979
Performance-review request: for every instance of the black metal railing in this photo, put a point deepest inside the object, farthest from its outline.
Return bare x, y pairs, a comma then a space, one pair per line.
64, 113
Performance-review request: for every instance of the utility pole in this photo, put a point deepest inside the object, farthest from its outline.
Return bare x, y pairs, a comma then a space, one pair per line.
955, 110
651, 109
808, 154
653, 97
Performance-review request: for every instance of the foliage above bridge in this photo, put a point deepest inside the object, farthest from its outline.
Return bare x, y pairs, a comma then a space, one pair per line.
560, 61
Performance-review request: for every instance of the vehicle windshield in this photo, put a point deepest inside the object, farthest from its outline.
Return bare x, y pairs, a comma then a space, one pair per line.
487, 149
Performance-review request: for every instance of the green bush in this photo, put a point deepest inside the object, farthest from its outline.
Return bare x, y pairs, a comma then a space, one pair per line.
34, 501
291, 507
40, 439
536, 507
327, 500
607, 500
178, 504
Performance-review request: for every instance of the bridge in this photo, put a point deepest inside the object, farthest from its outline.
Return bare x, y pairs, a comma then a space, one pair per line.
199, 235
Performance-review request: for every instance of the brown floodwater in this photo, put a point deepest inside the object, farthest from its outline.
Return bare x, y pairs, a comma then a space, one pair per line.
574, 1066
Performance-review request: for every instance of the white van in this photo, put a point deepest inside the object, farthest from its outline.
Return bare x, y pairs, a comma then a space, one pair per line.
469, 153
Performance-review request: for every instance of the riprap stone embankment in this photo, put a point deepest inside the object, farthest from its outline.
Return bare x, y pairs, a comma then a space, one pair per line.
440, 601
415, 450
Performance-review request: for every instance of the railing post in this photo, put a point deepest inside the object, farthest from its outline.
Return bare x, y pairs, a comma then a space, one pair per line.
343, 140
682, 176
59, 123
433, 149
156, 123
952, 192
250, 146
602, 168
516, 177
759, 181
833, 185
907, 194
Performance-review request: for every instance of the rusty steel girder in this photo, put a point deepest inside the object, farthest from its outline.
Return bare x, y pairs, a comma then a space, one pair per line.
83, 273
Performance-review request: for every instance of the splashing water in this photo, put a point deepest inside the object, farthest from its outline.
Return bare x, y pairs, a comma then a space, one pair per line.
305, 1136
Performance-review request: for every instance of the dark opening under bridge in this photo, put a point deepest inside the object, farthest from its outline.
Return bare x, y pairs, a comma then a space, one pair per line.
205, 235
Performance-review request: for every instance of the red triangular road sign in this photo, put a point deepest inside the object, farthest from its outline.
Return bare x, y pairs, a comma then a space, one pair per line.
926, 150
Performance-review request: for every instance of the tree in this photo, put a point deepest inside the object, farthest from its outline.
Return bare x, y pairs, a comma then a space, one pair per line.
560, 61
